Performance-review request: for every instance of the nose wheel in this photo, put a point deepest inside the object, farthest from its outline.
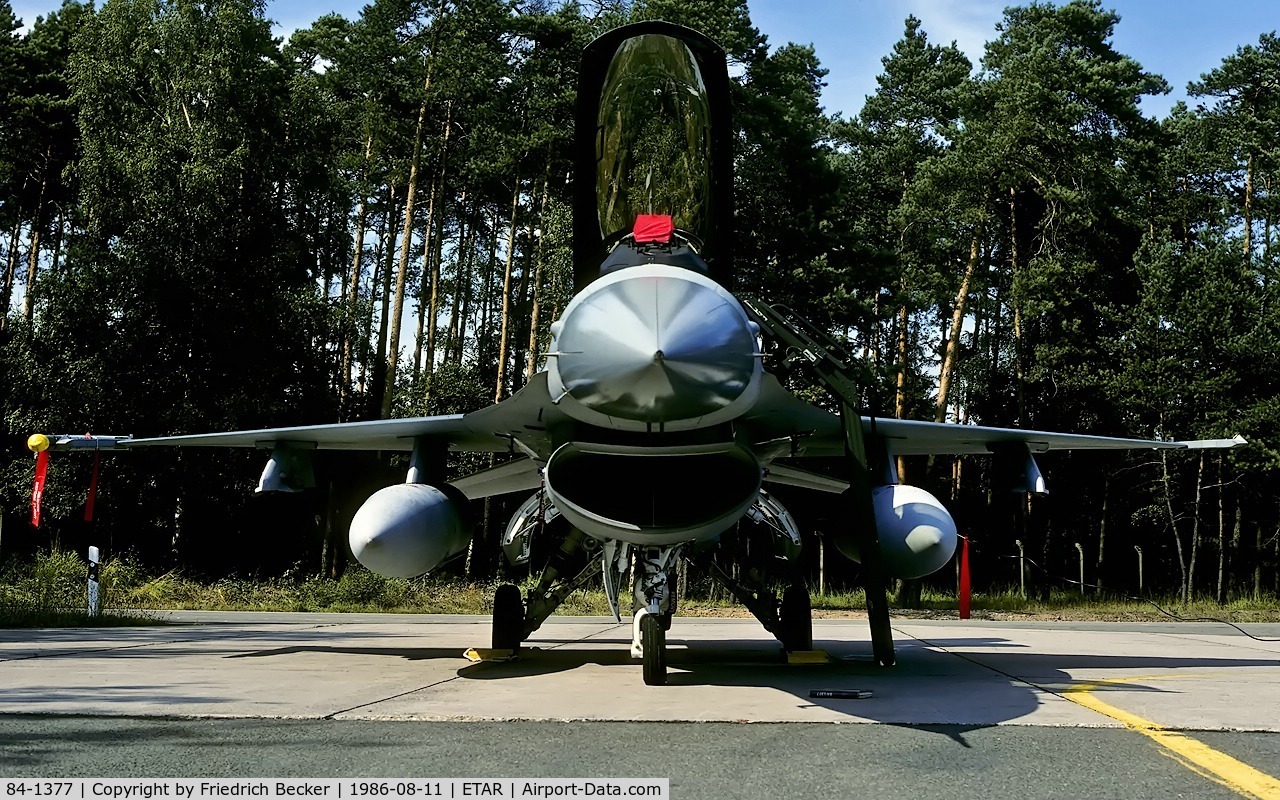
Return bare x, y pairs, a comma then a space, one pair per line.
653, 645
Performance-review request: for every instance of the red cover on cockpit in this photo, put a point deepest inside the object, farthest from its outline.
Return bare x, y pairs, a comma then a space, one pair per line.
653, 228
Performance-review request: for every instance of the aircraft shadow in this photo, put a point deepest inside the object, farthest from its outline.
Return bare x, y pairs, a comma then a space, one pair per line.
929, 688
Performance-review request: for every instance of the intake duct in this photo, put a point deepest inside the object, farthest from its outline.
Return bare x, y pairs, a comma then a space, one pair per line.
652, 495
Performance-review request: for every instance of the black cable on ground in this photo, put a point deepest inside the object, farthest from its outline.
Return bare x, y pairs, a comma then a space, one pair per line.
1136, 598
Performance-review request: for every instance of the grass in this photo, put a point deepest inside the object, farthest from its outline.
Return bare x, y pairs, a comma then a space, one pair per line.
50, 591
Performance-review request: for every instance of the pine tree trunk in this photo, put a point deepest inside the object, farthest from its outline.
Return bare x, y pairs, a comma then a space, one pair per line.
57, 242
1173, 518
1257, 560
1248, 208
435, 264
532, 366
506, 298
900, 396
351, 293
1102, 531
957, 320
11, 268
402, 272
1019, 346
465, 231
1236, 531
518, 354
441, 220
997, 330
380, 362
375, 281
1220, 595
428, 289
33, 259
33, 255
465, 310
1266, 223
486, 306
1189, 588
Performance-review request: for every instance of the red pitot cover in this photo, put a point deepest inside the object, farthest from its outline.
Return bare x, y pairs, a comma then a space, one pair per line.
653, 228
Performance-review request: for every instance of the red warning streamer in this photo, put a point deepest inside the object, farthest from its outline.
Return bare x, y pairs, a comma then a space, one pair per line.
37, 490
93, 490
964, 577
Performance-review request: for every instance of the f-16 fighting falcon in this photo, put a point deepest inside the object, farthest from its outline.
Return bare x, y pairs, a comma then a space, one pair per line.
655, 427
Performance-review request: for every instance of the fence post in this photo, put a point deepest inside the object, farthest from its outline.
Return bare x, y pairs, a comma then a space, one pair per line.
1080, 550
1141, 593
1022, 569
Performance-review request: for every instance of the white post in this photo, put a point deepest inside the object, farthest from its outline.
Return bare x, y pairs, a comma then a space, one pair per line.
95, 600
1139, 551
1022, 569
1080, 549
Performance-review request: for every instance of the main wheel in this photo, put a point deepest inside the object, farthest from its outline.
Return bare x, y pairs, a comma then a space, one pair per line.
508, 618
795, 619
654, 641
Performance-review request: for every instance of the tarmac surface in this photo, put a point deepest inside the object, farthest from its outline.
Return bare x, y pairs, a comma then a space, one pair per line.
973, 708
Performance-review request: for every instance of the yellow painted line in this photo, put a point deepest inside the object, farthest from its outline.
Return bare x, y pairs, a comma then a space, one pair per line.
1194, 754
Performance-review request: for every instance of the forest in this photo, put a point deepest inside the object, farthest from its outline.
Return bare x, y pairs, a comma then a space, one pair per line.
205, 228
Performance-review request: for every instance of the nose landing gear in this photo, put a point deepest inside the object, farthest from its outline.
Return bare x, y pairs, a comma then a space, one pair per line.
655, 603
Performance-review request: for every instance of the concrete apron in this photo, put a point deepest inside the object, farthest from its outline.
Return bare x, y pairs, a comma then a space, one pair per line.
1177, 676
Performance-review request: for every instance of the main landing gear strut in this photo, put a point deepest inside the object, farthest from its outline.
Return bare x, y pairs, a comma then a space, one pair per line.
837, 372
570, 566
789, 619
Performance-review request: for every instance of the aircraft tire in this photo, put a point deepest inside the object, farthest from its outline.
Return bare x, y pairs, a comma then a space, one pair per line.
654, 641
795, 619
508, 617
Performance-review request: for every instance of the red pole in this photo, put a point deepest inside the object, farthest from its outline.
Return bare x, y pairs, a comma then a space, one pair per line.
93, 490
964, 577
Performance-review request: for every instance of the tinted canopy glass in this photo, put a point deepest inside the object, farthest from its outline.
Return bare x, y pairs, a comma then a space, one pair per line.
653, 138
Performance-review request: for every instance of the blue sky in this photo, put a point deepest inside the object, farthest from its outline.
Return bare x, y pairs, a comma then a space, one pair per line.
1179, 39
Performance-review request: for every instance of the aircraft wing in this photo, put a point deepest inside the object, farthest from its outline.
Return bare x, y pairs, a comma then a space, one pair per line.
911, 437
905, 437
812, 431
382, 434
519, 425
525, 416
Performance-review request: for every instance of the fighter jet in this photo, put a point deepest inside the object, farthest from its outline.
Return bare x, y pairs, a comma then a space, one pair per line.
655, 427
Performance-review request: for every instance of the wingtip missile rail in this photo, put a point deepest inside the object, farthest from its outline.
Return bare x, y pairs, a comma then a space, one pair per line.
39, 442
1215, 444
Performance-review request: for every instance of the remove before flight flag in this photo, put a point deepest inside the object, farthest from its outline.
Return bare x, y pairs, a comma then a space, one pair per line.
40, 445
37, 490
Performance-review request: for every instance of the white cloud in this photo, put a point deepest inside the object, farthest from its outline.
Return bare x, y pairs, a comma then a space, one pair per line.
969, 23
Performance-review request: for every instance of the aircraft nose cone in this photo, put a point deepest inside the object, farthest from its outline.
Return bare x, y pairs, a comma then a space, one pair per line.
656, 348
